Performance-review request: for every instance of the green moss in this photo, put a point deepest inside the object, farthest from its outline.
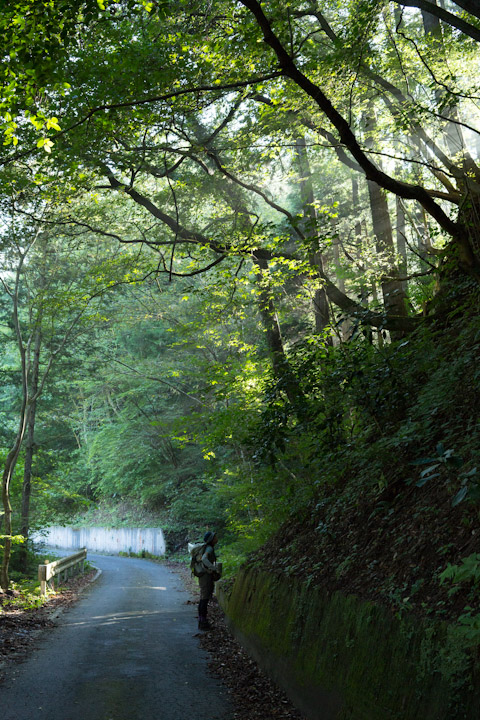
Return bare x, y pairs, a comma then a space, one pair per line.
379, 665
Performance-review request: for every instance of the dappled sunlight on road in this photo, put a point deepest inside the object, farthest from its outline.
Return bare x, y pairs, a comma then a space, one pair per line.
137, 587
115, 618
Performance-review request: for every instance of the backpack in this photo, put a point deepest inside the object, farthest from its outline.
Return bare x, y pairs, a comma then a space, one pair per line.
196, 551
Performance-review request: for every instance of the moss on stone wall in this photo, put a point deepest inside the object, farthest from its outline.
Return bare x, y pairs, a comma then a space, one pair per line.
342, 658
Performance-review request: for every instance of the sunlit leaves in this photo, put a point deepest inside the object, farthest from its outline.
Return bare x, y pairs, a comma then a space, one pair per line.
46, 144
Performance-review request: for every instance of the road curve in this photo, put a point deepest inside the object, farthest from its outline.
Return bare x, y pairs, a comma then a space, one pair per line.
125, 651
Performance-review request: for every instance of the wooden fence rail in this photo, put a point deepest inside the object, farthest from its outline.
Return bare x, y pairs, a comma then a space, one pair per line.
49, 570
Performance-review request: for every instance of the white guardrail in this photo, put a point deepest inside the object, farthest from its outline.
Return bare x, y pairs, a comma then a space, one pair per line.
51, 569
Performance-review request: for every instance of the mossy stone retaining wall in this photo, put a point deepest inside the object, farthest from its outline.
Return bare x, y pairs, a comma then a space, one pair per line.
341, 658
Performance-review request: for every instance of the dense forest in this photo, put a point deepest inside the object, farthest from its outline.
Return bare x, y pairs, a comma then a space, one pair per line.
240, 280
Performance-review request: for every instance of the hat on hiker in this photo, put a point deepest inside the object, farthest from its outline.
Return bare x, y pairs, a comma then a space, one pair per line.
208, 537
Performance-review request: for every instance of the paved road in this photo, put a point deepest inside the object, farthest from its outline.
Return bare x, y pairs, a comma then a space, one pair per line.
125, 651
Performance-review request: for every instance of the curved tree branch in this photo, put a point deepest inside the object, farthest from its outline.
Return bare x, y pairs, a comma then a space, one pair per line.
347, 137
143, 101
448, 17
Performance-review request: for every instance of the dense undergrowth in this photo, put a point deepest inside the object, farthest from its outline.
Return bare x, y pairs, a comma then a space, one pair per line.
393, 514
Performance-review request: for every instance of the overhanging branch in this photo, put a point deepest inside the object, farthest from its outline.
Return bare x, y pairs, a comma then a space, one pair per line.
347, 137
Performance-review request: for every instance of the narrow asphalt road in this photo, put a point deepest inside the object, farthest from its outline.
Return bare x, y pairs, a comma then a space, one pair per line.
125, 651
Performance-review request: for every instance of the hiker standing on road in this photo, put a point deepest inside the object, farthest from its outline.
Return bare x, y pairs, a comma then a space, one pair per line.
207, 579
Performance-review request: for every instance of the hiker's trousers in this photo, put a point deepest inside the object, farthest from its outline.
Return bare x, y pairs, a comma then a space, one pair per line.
206, 584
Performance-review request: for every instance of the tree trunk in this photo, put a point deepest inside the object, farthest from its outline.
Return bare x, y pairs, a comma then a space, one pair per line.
394, 298
29, 450
281, 367
402, 243
345, 325
361, 232
356, 208
423, 243
12, 456
8, 470
310, 228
